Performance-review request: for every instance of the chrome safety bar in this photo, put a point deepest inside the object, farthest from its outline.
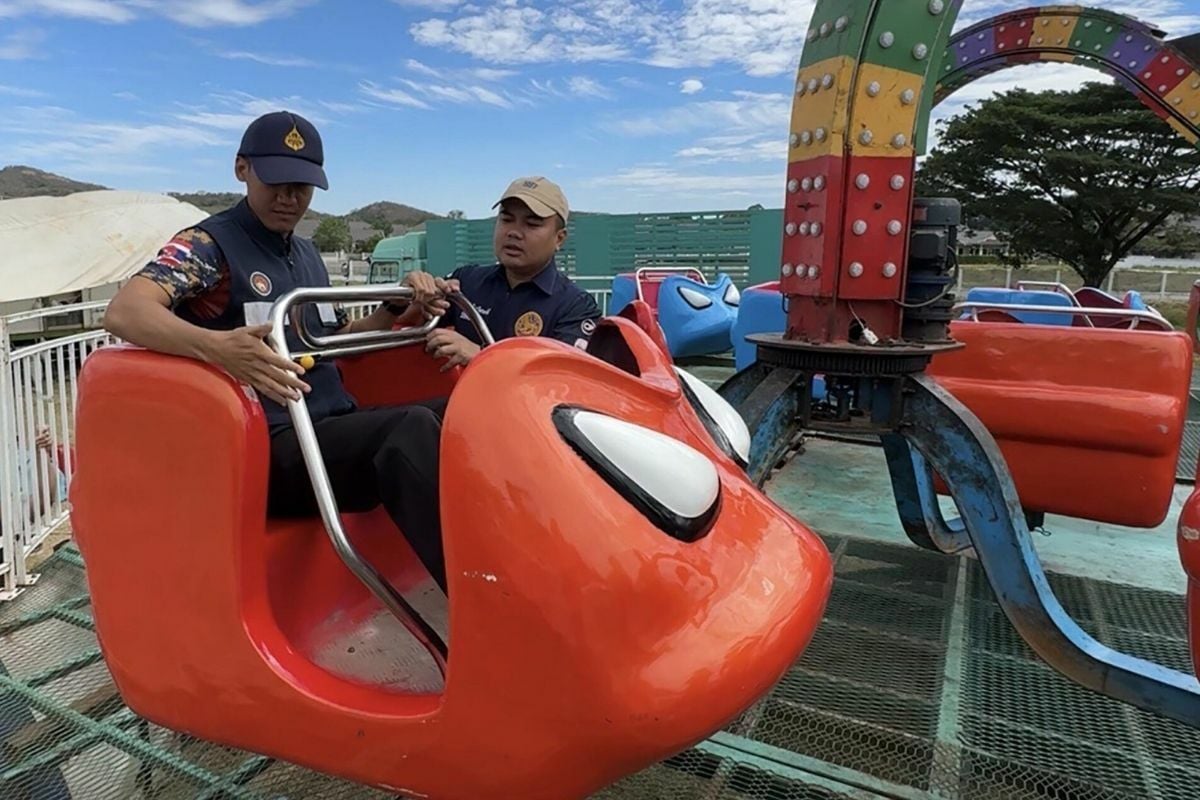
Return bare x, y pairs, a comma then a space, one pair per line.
1055, 286
1132, 314
637, 275
311, 450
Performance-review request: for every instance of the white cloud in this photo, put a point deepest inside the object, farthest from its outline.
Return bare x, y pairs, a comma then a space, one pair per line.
588, 87
656, 178
691, 86
395, 97
764, 38
196, 13
748, 111
19, 91
125, 96
459, 94
272, 61
434, 5
234, 111
21, 45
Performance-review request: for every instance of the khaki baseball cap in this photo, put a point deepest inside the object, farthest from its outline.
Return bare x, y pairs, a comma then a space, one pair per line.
542, 195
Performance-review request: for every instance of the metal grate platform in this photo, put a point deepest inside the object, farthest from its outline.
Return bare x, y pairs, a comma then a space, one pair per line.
914, 687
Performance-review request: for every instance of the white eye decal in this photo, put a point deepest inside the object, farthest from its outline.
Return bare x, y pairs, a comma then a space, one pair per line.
694, 298
724, 423
675, 486
732, 296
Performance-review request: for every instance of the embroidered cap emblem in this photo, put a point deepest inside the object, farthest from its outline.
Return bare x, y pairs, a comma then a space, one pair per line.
294, 140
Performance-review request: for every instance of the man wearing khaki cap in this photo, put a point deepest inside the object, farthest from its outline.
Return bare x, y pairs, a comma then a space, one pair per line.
524, 293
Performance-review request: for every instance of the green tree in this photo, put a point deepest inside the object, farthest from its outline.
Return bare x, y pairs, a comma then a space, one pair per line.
368, 246
1082, 176
456, 214
332, 234
1175, 239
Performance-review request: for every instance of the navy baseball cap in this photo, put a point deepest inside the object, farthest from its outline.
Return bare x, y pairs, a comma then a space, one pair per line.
285, 148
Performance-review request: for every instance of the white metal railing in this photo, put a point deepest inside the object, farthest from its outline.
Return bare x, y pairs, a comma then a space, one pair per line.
603, 294
37, 411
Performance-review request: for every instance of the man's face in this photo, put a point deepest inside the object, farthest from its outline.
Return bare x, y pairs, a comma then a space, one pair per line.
523, 241
278, 207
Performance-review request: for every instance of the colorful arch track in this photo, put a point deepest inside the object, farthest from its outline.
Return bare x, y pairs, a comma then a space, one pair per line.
1162, 74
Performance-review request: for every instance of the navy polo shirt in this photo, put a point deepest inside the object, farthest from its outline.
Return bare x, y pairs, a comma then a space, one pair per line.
550, 305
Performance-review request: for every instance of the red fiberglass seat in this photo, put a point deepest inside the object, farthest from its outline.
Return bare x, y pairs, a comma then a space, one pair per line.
1089, 419
619, 589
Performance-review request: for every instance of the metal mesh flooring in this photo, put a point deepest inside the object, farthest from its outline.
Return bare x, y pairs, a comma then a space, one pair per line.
915, 686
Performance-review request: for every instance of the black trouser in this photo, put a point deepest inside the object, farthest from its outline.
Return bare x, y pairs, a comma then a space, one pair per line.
385, 455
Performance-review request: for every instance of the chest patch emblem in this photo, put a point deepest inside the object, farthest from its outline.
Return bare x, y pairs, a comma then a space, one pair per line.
260, 283
528, 324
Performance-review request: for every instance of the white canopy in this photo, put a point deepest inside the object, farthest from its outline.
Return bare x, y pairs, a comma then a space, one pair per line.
53, 245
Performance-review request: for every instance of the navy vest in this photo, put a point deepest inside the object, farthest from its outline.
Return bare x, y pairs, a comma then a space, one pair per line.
264, 266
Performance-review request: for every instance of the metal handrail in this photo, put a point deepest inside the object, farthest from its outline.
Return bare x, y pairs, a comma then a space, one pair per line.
1057, 286
310, 449
975, 307
637, 276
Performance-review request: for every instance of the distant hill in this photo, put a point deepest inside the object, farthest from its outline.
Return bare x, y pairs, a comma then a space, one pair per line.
395, 218
22, 181
390, 215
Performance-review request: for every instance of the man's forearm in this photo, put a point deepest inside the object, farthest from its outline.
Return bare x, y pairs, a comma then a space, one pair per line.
153, 326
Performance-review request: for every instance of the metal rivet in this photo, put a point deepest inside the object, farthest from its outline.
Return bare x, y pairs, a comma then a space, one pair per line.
889, 270
1166, 59
827, 81
1087, 23
920, 51
897, 182
1066, 22
887, 39
790, 229
983, 51
793, 139
1132, 63
962, 45
806, 184
1000, 46
981, 37
805, 228
1022, 25
860, 227
866, 137
1146, 48
1108, 29
1147, 74
856, 270
1192, 115
873, 88
1078, 43
813, 271
1162, 88
826, 28
936, 6
806, 137
1181, 72
793, 185
899, 140
820, 134
815, 230
1040, 39
787, 270
863, 180
841, 23
1097, 48
1177, 100
801, 88
1020, 42
812, 35
908, 96
1117, 54
1003, 28
895, 226
819, 183
1045, 22
1129, 38
812, 84
1196, 84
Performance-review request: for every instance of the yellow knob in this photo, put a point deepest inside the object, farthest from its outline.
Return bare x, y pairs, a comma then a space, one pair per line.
307, 362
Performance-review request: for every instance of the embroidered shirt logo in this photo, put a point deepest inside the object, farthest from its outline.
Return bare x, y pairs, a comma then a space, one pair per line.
528, 324
260, 283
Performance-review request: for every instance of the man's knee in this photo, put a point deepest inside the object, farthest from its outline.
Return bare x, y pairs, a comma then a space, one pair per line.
410, 442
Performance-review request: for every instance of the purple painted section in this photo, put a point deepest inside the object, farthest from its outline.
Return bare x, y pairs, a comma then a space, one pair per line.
979, 46
1133, 55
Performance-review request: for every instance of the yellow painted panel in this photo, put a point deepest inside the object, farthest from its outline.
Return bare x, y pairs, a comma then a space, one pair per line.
886, 103
1053, 30
1184, 99
819, 113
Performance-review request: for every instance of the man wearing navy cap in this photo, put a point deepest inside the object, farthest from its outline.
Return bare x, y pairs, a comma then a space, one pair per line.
207, 295
524, 293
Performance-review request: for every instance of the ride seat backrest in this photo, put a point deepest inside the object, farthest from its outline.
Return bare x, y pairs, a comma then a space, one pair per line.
1033, 297
1090, 297
1089, 421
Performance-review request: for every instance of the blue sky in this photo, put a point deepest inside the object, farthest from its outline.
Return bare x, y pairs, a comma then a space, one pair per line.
632, 105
